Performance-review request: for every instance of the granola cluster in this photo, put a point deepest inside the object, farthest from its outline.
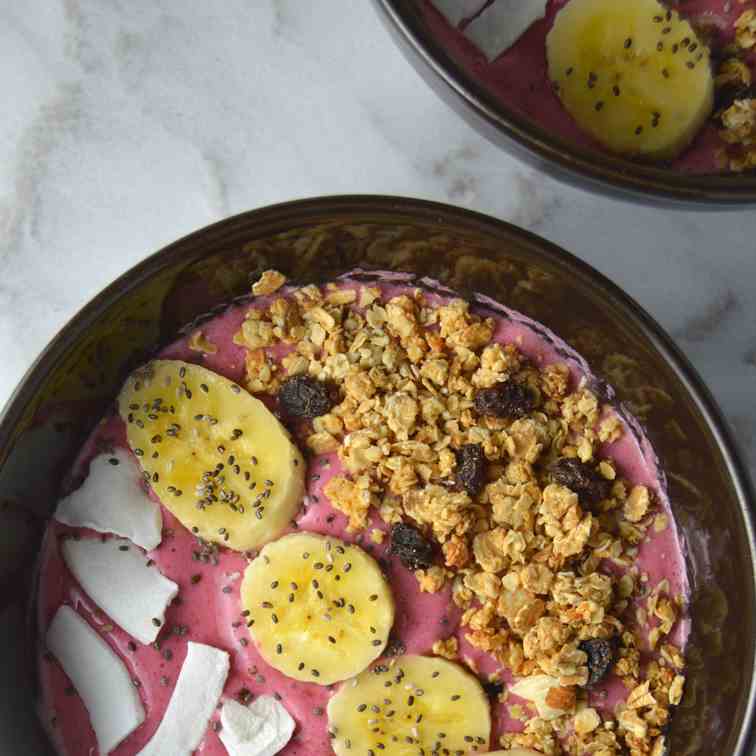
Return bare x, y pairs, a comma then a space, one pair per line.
522, 552
745, 29
739, 131
738, 118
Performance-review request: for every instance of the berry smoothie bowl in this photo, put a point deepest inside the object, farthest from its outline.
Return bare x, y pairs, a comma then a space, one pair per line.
648, 97
342, 487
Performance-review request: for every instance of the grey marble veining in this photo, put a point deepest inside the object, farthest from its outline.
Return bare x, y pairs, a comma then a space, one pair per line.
129, 124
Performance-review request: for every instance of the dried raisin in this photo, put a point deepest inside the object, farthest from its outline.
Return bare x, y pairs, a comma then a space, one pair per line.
581, 478
304, 396
471, 468
600, 657
508, 400
413, 549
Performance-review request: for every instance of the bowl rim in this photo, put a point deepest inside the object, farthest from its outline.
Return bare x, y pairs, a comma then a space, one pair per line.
301, 211
577, 165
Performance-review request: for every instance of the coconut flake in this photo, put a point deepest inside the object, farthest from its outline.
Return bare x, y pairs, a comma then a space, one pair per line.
197, 692
99, 676
112, 500
261, 729
502, 24
535, 689
456, 10
115, 575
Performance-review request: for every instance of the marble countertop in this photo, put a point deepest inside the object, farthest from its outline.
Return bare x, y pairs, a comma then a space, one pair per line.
128, 125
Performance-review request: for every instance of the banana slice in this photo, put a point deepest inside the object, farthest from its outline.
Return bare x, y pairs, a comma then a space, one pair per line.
419, 704
634, 75
516, 752
215, 455
320, 610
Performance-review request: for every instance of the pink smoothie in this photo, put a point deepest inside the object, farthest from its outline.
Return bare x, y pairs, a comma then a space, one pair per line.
209, 611
518, 77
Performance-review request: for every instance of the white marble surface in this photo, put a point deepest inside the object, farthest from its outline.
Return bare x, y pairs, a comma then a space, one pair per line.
128, 124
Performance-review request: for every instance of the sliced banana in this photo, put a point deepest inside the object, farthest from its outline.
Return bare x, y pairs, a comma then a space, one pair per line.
216, 456
417, 704
516, 752
320, 610
634, 75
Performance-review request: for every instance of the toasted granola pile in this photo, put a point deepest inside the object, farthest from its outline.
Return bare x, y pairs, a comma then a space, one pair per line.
523, 551
738, 118
739, 132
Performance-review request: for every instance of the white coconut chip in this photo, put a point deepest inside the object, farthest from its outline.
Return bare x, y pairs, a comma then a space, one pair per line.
115, 575
456, 10
535, 689
112, 500
261, 729
197, 692
99, 676
502, 24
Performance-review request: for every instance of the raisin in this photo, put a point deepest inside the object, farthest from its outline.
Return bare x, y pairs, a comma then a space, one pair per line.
492, 689
600, 657
412, 548
303, 396
471, 468
581, 478
508, 399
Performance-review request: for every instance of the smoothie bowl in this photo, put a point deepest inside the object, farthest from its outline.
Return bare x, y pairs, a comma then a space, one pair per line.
651, 97
371, 475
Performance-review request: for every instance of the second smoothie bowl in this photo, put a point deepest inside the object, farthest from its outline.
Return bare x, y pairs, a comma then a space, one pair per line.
647, 98
357, 488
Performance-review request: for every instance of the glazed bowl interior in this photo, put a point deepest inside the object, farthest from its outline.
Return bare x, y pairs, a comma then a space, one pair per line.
580, 166
78, 375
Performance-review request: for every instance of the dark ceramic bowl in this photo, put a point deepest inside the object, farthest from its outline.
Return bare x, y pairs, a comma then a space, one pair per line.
580, 166
79, 373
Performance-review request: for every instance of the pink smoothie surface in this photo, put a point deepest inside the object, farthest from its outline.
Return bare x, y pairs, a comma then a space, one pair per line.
209, 610
518, 78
